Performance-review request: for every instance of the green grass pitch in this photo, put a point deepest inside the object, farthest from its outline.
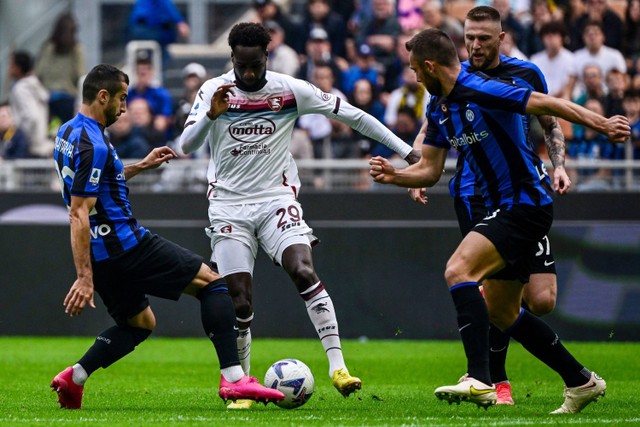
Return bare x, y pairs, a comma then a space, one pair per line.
169, 381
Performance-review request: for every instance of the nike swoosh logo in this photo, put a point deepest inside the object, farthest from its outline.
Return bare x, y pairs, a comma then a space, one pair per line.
460, 329
441, 121
491, 349
588, 386
547, 263
475, 392
480, 223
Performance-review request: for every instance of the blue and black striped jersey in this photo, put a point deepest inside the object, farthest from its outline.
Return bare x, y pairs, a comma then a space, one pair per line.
482, 118
88, 166
521, 73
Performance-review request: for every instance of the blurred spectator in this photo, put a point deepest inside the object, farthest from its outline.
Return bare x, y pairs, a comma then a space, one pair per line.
29, 102
617, 84
193, 76
158, 20
365, 97
59, 66
406, 128
434, 17
135, 137
393, 72
553, 60
158, 97
631, 39
282, 57
364, 67
318, 53
411, 94
593, 85
540, 15
519, 9
509, 46
600, 12
380, 31
591, 145
268, 10
320, 15
573, 11
631, 105
410, 14
510, 22
595, 52
13, 142
324, 132
362, 13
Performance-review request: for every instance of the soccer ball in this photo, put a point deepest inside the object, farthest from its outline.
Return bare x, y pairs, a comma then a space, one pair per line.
294, 379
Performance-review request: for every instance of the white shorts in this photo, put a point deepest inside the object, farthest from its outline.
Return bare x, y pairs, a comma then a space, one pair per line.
274, 225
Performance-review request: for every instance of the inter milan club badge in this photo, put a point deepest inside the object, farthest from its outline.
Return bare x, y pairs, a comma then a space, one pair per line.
444, 108
275, 103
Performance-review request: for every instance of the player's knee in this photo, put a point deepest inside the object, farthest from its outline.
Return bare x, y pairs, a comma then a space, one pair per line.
242, 306
503, 319
542, 306
303, 275
453, 273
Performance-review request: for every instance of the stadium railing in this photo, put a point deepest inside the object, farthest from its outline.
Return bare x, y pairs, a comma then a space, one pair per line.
189, 175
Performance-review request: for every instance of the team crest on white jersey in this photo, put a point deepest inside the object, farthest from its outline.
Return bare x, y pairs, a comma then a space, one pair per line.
276, 103
226, 229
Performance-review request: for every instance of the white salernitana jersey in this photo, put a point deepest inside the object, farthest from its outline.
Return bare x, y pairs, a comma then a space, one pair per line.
250, 159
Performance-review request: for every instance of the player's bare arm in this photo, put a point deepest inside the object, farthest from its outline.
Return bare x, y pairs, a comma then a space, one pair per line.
425, 173
220, 100
556, 149
419, 195
81, 292
616, 128
153, 160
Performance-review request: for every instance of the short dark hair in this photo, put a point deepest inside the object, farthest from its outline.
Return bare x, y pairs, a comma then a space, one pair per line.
483, 13
553, 27
23, 60
631, 94
102, 76
433, 44
593, 23
249, 34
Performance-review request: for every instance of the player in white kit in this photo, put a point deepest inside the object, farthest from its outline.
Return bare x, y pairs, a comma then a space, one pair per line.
247, 116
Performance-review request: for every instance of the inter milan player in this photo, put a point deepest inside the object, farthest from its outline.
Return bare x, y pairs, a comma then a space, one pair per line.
122, 261
482, 118
483, 36
247, 116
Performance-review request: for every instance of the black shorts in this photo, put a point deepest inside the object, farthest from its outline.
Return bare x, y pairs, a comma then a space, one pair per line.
469, 210
155, 266
515, 232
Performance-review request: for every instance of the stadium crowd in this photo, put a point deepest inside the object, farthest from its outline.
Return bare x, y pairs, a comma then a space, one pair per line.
588, 50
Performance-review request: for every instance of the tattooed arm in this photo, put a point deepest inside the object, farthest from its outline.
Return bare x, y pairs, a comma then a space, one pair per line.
554, 140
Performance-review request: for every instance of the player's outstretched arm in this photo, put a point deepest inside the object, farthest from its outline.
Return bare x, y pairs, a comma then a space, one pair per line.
154, 159
616, 128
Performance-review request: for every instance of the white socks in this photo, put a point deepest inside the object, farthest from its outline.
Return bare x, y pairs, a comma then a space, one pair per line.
232, 373
79, 374
323, 316
244, 349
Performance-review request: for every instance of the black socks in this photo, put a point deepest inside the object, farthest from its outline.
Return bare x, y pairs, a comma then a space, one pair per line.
111, 346
219, 321
473, 324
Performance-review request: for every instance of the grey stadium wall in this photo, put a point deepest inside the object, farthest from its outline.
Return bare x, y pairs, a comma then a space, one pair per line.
381, 257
